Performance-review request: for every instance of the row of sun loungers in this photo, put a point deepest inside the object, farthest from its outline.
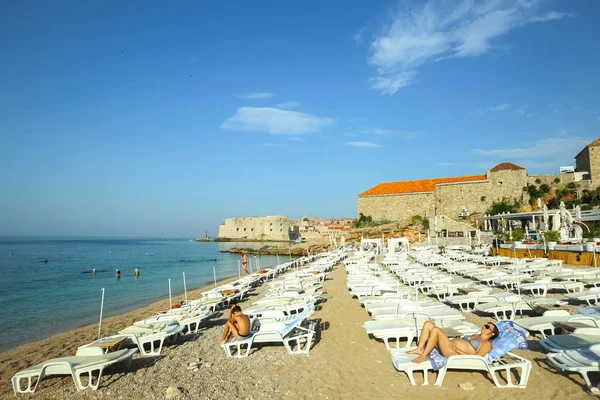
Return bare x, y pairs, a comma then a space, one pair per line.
401, 300
486, 277
281, 316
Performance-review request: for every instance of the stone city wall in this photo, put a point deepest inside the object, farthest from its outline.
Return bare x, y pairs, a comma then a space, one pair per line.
451, 198
397, 207
256, 228
548, 179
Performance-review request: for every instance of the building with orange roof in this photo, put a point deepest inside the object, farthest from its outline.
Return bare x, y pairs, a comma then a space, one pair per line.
459, 196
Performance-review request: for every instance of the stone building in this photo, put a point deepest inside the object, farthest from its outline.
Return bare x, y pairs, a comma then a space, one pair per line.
270, 228
457, 197
587, 162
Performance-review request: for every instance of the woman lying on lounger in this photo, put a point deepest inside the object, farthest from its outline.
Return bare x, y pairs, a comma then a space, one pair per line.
433, 337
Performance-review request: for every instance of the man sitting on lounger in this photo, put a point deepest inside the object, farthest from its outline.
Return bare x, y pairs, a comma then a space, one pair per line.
433, 337
238, 325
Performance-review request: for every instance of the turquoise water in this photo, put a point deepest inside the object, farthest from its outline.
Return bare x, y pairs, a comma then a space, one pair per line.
39, 299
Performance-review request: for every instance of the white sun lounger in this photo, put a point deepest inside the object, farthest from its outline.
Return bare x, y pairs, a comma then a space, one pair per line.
505, 309
151, 335
546, 324
403, 305
541, 288
403, 362
582, 361
590, 296
436, 314
76, 366
501, 363
579, 339
296, 338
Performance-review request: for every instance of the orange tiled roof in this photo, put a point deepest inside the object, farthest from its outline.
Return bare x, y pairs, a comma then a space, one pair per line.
506, 166
425, 185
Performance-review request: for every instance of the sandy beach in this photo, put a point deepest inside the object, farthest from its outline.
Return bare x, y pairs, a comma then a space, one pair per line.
344, 363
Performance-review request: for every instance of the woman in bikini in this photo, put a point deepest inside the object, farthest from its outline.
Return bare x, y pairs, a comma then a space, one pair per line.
433, 337
245, 263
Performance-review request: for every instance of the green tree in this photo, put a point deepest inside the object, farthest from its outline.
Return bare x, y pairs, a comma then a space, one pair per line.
504, 205
517, 235
552, 236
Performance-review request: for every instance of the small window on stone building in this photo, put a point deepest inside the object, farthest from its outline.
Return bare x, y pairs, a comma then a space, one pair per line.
244, 229
251, 229
271, 230
499, 182
281, 230
237, 229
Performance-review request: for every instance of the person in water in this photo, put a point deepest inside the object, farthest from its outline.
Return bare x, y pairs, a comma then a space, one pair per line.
94, 271
433, 337
238, 325
137, 273
117, 273
244, 264
45, 261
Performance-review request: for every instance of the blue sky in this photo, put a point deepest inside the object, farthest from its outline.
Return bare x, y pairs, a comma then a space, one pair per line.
155, 119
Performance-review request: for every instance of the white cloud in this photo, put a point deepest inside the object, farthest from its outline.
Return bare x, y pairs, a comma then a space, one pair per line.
296, 139
288, 104
273, 145
275, 121
363, 144
560, 147
435, 32
551, 16
529, 115
358, 36
378, 131
555, 107
446, 164
256, 96
390, 84
500, 107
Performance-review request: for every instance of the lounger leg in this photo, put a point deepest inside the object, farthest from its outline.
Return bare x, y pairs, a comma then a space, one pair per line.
440, 378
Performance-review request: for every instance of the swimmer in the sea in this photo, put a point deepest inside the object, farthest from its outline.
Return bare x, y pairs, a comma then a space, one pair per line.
137, 273
118, 273
94, 271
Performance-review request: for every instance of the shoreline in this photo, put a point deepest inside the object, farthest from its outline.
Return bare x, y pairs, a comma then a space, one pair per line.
154, 304
344, 363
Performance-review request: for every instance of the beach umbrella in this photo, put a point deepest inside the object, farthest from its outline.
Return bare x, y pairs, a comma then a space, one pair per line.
101, 309
170, 299
578, 213
215, 275
184, 289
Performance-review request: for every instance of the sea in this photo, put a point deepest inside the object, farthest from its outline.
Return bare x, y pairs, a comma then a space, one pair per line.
47, 285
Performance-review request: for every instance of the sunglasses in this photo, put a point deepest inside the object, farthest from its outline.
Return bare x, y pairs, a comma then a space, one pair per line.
489, 327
